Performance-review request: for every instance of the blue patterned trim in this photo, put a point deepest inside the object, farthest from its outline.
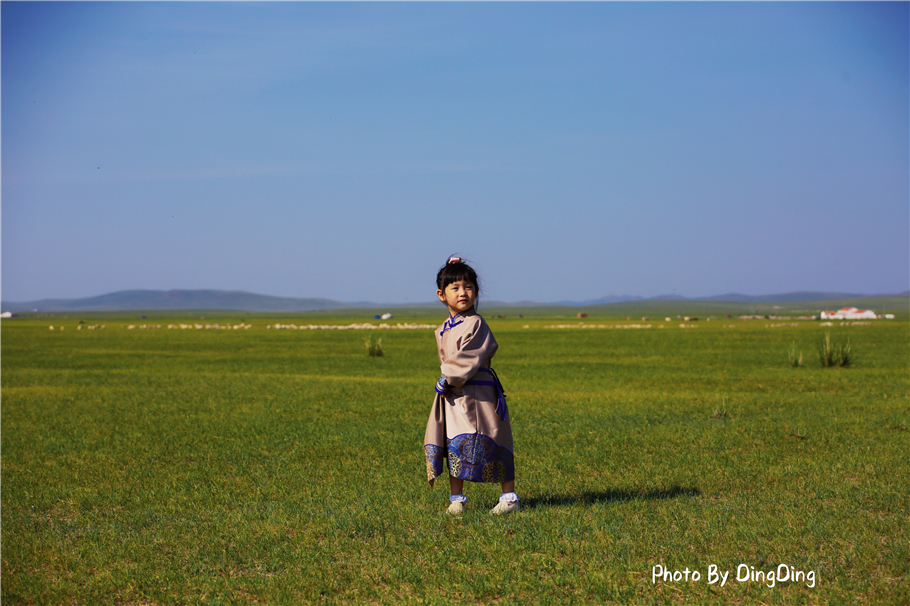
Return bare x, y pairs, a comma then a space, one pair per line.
435, 456
477, 458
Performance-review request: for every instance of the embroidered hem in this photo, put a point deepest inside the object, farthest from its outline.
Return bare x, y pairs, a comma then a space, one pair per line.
473, 457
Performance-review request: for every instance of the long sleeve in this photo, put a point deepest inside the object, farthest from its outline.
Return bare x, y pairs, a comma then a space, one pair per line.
474, 346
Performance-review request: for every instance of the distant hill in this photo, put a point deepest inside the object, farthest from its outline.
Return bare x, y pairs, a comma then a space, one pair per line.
601, 301
792, 297
897, 304
180, 299
236, 300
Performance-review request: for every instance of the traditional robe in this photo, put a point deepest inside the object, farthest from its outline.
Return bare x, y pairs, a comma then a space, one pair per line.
469, 427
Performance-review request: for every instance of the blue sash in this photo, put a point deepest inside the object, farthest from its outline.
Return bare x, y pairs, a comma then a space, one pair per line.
501, 408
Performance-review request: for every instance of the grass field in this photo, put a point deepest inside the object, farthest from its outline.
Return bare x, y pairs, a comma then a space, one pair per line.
156, 466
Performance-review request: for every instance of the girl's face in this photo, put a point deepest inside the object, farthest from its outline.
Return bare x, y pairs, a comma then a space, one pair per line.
458, 296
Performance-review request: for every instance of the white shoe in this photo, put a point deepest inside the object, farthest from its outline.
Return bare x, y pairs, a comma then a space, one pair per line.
456, 508
505, 507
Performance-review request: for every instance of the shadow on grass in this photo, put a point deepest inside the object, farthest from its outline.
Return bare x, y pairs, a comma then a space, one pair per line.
589, 498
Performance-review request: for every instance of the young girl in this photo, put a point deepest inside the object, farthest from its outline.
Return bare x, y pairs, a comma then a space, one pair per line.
469, 423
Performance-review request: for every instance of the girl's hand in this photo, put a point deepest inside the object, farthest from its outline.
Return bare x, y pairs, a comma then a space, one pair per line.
442, 386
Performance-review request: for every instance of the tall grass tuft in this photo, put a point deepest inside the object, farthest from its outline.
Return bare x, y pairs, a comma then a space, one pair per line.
374, 346
834, 355
796, 357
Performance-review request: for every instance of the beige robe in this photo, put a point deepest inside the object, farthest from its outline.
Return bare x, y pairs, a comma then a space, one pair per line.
464, 428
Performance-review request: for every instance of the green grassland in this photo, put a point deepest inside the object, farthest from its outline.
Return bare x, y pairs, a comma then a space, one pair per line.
156, 466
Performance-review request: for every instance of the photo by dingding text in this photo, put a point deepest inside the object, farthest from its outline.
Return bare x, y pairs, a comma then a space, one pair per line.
744, 574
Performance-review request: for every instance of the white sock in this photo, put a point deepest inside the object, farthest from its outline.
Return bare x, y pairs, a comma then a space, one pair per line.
511, 497
458, 498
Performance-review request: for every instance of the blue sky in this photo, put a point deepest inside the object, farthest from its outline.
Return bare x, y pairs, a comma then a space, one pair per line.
344, 150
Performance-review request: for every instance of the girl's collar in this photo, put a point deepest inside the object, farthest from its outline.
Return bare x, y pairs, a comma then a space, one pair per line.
455, 320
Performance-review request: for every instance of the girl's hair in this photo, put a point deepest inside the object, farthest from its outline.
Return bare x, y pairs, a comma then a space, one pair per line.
454, 270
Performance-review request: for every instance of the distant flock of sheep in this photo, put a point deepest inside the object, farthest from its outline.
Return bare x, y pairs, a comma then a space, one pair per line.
243, 326
240, 326
583, 325
366, 326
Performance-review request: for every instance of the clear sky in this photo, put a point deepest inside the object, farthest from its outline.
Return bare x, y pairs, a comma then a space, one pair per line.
345, 150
